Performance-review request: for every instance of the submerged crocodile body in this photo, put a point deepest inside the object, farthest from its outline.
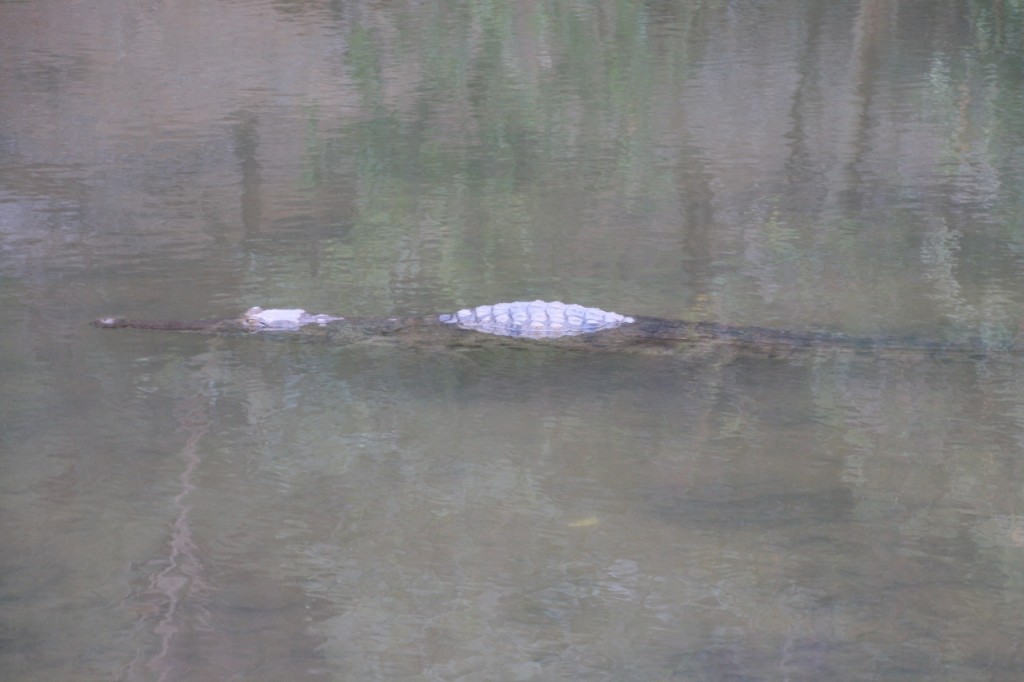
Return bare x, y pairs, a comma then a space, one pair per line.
539, 322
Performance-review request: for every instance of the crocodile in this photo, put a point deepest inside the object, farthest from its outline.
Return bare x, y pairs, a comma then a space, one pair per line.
552, 323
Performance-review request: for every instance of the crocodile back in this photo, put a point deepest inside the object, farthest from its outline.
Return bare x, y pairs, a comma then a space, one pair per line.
535, 319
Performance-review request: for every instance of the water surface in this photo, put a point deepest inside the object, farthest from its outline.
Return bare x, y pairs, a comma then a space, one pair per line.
180, 507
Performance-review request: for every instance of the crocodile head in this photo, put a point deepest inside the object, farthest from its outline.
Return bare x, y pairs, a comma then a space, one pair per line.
258, 319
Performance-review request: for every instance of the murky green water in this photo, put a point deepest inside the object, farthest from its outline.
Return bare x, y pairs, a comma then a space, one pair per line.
179, 507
